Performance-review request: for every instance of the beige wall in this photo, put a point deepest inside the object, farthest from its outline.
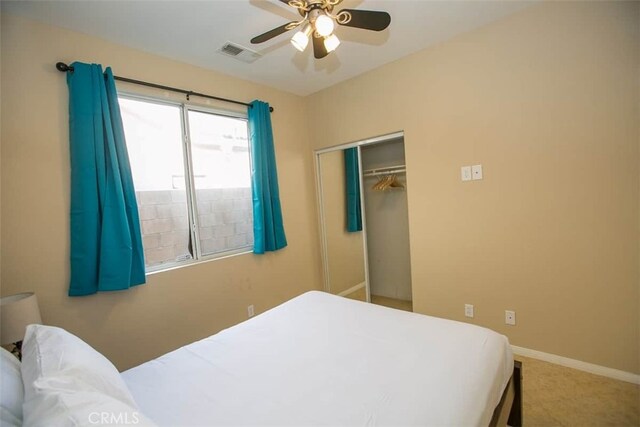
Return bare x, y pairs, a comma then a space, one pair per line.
174, 307
547, 102
345, 251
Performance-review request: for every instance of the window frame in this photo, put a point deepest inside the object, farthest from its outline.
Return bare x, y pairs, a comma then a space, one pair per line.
190, 190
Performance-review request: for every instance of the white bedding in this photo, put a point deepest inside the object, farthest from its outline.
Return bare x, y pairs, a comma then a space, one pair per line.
325, 360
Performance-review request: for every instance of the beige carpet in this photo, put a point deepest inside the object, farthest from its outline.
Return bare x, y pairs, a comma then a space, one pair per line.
361, 295
558, 396
392, 302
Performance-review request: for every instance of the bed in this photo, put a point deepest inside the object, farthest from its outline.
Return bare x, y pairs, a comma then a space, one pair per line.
320, 359
317, 359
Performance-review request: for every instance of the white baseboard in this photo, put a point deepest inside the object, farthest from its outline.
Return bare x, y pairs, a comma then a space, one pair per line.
577, 364
352, 289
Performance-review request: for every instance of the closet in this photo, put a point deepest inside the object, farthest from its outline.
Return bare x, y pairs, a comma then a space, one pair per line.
362, 196
387, 218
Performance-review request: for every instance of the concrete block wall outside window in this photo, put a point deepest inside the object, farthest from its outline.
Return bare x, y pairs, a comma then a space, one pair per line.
224, 215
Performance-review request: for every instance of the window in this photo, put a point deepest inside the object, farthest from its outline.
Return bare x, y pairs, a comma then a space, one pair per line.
191, 171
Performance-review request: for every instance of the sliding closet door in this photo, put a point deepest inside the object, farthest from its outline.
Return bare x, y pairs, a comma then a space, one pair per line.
343, 250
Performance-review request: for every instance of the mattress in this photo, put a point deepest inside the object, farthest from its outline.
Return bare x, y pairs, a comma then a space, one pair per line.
320, 359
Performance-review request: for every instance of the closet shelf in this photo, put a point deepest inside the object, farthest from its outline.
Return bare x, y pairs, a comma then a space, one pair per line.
385, 171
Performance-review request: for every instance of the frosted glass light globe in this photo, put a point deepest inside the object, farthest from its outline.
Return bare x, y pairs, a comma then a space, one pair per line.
300, 41
324, 25
331, 43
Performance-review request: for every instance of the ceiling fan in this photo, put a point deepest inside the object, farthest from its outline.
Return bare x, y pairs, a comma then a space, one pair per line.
318, 22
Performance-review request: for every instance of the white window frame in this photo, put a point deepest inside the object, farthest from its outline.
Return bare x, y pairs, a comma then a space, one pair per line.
192, 206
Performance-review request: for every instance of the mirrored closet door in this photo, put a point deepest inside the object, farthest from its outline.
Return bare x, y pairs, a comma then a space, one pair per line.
345, 272
362, 195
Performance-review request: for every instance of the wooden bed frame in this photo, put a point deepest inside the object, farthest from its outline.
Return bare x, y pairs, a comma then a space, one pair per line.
509, 410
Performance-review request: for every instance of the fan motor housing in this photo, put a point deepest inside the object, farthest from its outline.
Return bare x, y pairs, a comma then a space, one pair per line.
315, 5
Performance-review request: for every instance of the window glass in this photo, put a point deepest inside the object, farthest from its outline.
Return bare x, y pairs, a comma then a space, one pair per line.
221, 167
218, 198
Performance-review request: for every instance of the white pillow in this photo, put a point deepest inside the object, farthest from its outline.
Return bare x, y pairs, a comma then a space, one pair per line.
11, 390
67, 382
80, 407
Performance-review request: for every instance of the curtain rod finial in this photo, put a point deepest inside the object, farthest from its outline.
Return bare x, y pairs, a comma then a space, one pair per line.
61, 66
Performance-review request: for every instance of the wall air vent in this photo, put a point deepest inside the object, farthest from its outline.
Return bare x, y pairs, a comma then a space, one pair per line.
238, 52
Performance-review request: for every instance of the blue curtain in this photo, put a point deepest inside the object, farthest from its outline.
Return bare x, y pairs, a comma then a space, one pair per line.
268, 229
106, 244
352, 178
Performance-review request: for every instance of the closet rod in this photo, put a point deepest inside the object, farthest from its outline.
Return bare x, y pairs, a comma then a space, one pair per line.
385, 171
62, 67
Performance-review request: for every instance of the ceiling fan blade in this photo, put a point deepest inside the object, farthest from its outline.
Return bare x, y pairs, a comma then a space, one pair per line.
271, 34
319, 51
366, 19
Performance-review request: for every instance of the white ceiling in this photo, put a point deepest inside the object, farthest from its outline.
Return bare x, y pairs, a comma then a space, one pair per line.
192, 31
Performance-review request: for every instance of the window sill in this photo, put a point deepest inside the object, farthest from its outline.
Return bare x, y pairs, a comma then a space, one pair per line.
213, 257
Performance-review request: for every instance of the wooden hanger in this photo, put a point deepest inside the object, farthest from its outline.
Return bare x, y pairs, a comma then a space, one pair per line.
380, 184
395, 183
387, 181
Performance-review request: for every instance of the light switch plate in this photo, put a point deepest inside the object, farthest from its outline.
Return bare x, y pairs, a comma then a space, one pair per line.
465, 173
476, 172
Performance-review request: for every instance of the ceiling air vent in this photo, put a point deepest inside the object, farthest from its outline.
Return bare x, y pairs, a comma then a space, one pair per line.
239, 52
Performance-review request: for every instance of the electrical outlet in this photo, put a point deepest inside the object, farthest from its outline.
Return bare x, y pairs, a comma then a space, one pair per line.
250, 312
510, 317
468, 310
476, 171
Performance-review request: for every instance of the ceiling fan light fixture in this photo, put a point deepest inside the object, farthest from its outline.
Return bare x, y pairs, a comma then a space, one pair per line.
300, 40
324, 25
331, 43
319, 22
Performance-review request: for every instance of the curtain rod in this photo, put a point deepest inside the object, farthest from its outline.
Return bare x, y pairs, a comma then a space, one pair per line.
62, 67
